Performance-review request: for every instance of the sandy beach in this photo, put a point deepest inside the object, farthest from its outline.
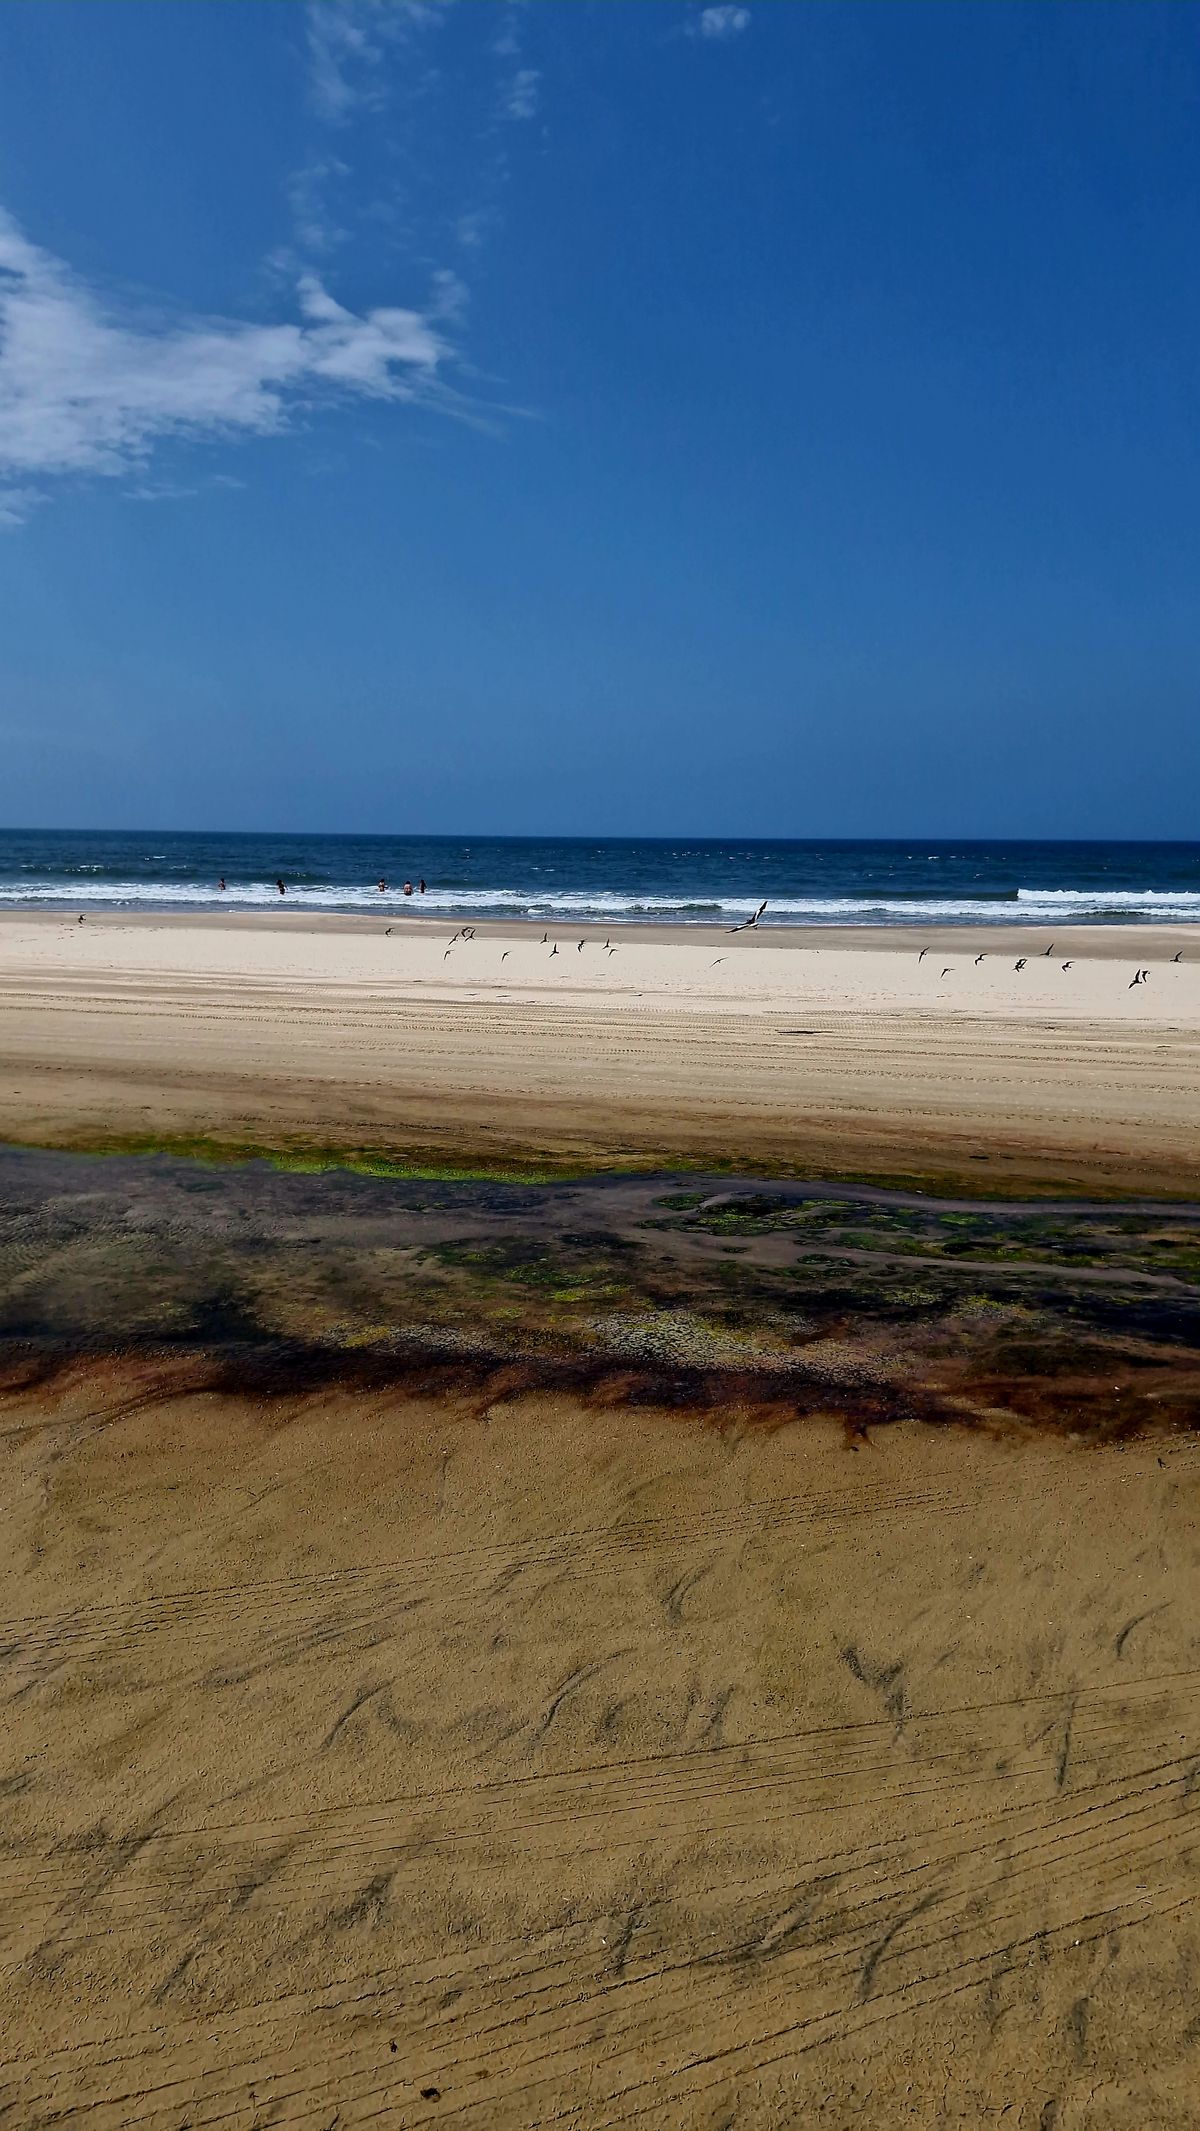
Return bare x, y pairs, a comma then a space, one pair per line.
834, 1051
374, 1762
657, 1651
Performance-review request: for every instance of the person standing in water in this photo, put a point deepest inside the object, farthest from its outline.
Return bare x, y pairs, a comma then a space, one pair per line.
421, 887
221, 885
383, 887
281, 888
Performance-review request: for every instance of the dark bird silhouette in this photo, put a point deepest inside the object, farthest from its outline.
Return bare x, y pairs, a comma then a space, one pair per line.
948, 972
1021, 963
81, 917
447, 955
545, 937
1050, 949
554, 949
749, 923
608, 943
1139, 977
387, 932
1068, 965
978, 960
612, 950
922, 955
579, 949
504, 957
1178, 957
720, 958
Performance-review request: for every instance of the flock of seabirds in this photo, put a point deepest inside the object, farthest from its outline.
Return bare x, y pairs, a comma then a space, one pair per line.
1140, 976
467, 932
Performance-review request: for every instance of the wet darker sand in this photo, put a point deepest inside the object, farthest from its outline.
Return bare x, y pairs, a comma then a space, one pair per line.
781, 1299
643, 1651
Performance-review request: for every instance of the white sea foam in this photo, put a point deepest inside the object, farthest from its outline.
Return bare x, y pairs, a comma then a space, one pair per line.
1029, 906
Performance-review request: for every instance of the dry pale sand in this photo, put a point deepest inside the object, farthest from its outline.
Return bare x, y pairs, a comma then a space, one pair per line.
373, 1763
843, 1052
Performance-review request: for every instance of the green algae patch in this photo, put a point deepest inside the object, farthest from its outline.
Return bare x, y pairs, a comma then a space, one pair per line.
315, 1160
475, 1278
537, 1166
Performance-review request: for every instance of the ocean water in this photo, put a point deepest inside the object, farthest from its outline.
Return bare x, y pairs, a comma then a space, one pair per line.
677, 879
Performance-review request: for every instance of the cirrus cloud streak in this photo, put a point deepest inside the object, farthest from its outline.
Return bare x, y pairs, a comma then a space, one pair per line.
85, 390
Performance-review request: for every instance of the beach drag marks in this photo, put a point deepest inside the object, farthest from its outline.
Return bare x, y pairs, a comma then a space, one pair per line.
377, 1762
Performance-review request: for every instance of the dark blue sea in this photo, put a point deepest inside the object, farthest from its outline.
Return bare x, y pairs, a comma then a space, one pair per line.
683, 880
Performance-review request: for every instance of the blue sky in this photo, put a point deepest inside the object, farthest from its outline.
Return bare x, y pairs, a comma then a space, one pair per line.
600, 416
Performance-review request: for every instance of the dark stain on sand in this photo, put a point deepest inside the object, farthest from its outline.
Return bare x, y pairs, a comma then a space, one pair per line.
156, 1276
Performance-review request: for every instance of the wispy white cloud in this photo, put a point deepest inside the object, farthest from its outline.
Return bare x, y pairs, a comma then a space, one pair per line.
506, 43
719, 24
521, 93
16, 504
449, 297
86, 389
317, 230
473, 228
348, 44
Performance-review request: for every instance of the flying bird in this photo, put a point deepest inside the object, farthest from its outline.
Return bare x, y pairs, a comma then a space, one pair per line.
749, 923
1139, 977
1021, 963
1068, 965
1050, 949
554, 949
978, 960
447, 955
922, 955
1178, 957
948, 972
720, 958
504, 957
579, 949
545, 937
